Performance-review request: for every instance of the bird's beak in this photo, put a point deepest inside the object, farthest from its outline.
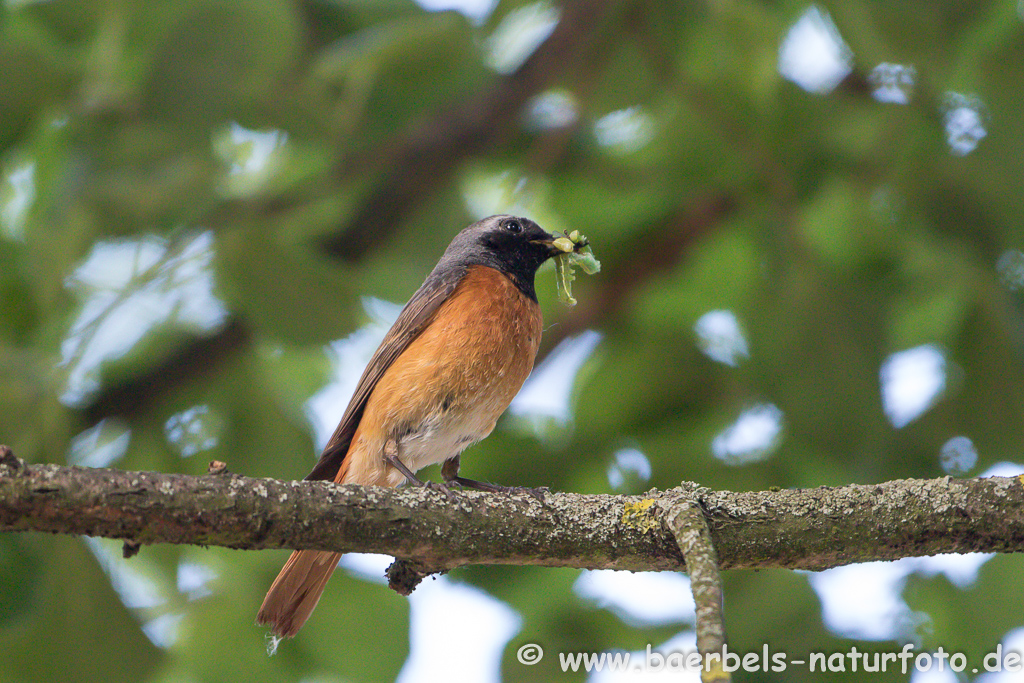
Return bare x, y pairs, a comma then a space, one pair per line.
549, 242
559, 244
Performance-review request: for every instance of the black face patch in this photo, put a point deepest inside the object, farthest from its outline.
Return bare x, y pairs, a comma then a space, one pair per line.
516, 254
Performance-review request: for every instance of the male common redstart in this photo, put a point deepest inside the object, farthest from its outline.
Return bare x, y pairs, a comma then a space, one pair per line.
447, 369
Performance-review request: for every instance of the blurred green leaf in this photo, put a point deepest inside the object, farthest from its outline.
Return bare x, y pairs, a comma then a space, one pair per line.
59, 638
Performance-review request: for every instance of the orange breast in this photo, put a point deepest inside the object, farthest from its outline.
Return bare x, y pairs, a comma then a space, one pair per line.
450, 385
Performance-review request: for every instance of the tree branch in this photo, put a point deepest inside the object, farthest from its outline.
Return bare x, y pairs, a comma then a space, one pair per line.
201, 357
806, 529
619, 284
431, 150
688, 525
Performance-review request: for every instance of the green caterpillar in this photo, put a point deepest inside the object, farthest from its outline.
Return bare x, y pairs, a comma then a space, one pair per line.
575, 252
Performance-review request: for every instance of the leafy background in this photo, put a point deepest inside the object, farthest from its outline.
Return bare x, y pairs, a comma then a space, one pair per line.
197, 195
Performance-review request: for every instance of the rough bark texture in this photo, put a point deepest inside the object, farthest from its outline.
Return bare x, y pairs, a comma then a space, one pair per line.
806, 529
689, 526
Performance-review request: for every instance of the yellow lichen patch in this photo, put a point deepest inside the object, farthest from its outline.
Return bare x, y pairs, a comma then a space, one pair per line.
640, 515
714, 672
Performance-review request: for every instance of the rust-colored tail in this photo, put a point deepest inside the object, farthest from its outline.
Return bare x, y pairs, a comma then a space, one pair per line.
296, 590
298, 587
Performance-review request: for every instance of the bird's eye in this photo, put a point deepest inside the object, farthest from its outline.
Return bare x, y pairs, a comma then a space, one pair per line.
514, 226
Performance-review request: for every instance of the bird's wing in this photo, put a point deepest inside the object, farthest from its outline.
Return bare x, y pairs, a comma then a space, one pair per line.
411, 321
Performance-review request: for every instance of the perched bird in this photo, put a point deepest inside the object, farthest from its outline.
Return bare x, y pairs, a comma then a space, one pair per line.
447, 369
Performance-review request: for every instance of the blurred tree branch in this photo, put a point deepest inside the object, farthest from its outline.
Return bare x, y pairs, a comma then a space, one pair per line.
673, 238
798, 529
201, 357
427, 155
